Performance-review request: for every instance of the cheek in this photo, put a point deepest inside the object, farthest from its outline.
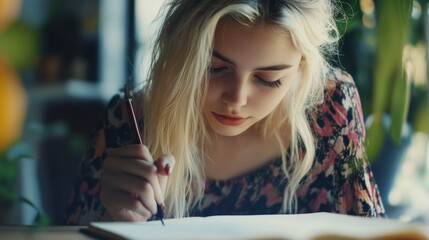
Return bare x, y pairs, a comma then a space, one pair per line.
286, 88
272, 100
213, 93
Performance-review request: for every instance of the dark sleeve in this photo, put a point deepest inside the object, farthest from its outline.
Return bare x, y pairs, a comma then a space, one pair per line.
341, 180
112, 131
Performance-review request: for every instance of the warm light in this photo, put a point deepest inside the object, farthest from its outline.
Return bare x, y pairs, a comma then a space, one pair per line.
12, 107
411, 182
368, 21
9, 11
368, 7
417, 10
415, 63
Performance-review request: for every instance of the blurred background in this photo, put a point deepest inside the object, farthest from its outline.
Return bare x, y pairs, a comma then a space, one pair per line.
62, 60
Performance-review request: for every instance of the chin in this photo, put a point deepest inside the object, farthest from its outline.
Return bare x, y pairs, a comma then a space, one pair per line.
229, 131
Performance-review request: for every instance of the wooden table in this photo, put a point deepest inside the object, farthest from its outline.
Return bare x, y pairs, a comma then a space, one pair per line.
46, 233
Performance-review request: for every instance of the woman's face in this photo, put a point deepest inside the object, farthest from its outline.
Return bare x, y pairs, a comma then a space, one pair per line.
251, 71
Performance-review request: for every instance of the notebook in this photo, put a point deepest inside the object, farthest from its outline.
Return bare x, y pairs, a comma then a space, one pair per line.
315, 226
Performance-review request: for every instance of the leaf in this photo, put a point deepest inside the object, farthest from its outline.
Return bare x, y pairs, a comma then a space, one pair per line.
7, 194
8, 170
19, 43
421, 117
375, 137
41, 219
399, 106
393, 23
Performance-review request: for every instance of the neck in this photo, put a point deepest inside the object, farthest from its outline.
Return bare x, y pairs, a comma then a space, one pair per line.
228, 157
227, 142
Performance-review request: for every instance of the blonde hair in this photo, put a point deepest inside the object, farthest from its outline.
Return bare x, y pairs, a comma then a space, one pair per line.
173, 103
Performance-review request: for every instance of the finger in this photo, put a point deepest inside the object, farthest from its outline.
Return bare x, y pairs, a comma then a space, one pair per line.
143, 170
165, 166
133, 186
123, 207
139, 168
138, 162
165, 163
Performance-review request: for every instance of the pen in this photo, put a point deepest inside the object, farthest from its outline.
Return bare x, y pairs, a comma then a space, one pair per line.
137, 136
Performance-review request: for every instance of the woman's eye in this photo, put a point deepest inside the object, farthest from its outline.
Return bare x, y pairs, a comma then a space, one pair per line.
215, 70
272, 84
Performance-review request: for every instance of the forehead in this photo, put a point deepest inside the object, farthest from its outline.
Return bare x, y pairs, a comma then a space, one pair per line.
262, 41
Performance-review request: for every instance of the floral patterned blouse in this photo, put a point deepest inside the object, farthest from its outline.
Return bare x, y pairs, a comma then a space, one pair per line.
339, 181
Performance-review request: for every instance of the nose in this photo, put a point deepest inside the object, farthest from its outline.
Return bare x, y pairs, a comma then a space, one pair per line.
236, 94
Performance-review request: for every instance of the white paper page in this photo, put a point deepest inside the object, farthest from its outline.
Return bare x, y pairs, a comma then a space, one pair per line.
300, 226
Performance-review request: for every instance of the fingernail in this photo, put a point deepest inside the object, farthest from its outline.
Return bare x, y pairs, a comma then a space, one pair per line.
167, 169
162, 205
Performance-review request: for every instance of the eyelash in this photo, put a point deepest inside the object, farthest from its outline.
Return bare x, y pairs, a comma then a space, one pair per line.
272, 84
213, 70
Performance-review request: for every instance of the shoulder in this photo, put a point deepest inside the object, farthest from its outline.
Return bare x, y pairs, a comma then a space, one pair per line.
339, 76
340, 179
341, 107
340, 86
337, 123
116, 109
116, 124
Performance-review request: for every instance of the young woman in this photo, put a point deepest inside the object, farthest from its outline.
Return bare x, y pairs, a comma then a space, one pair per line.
242, 114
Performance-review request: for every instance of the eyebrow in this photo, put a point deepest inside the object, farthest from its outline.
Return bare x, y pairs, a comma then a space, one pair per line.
268, 68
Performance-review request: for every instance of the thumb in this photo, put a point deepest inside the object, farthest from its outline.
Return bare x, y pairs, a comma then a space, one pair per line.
165, 165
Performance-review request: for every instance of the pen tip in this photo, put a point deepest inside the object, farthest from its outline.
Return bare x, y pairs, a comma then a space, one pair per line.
160, 213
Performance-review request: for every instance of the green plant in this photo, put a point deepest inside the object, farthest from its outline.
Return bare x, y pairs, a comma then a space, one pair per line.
18, 50
34, 133
9, 162
391, 92
379, 31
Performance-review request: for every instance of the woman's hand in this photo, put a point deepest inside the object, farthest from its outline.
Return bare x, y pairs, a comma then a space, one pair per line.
133, 183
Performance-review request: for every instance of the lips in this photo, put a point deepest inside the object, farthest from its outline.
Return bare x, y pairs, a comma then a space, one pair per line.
229, 120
